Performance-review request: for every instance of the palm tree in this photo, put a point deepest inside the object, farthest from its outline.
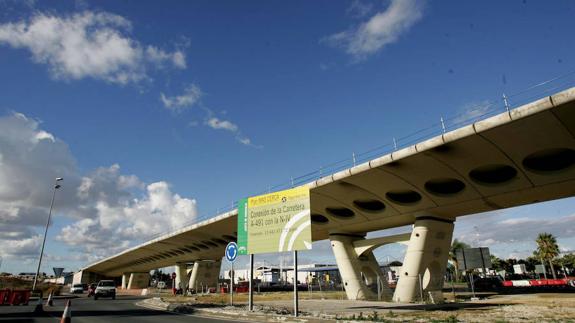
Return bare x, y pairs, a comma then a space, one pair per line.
547, 249
456, 245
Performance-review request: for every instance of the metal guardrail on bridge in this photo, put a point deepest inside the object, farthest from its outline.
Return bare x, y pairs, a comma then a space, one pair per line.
479, 112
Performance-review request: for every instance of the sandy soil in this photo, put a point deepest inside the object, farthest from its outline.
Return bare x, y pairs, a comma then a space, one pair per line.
542, 307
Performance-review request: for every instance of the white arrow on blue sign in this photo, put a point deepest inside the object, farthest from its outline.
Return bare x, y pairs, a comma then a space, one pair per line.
231, 251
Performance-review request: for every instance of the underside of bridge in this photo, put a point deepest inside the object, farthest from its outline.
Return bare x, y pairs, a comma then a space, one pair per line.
518, 157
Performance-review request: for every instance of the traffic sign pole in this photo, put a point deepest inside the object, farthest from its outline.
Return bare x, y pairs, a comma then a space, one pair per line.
295, 295
251, 297
232, 285
231, 254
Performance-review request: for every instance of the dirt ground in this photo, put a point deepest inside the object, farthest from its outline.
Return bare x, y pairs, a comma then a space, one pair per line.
540, 307
15, 283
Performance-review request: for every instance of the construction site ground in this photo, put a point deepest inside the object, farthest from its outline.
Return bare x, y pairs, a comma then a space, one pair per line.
534, 307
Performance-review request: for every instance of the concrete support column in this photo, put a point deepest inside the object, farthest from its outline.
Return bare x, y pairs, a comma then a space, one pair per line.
425, 258
205, 274
358, 273
182, 278
125, 280
139, 280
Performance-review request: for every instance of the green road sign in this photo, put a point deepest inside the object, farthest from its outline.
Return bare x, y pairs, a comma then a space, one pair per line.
275, 222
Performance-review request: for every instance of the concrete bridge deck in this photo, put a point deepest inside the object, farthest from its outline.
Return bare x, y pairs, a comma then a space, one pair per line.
522, 156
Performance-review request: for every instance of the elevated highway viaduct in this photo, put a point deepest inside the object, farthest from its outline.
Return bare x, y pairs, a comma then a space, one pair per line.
518, 157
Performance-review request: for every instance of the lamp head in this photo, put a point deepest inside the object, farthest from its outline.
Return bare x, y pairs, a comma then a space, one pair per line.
59, 179
57, 186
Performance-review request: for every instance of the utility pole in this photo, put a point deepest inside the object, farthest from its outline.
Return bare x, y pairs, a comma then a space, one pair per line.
56, 186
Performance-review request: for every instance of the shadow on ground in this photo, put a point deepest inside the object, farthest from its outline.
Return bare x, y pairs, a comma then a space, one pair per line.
428, 307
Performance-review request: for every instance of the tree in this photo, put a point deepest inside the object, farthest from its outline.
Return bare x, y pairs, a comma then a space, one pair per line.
456, 245
497, 263
567, 262
530, 263
508, 265
547, 249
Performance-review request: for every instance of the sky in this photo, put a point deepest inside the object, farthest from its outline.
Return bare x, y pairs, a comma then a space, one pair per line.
159, 114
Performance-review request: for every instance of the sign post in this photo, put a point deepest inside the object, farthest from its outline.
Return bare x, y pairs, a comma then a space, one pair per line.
231, 255
473, 258
295, 295
251, 285
540, 269
275, 222
58, 271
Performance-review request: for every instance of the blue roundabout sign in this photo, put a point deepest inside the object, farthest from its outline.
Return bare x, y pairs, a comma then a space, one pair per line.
231, 251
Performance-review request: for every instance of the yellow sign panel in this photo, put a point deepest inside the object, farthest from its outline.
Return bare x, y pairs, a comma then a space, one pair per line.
275, 222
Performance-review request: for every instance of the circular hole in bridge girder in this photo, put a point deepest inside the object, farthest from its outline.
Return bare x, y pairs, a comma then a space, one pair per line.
444, 186
202, 246
405, 197
550, 160
370, 205
220, 241
319, 219
493, 174
209, 243
341, 212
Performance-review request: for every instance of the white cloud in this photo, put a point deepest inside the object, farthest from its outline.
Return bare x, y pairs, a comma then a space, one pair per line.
380, 30
509, 235
126, 220
190, 97
219, 124
244, 140
41, 135
159, 56
24, 247
108, 210
216, 123
359, 8
472, 112
87, 45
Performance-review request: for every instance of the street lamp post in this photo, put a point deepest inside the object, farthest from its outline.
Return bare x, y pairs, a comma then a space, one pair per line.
56, 186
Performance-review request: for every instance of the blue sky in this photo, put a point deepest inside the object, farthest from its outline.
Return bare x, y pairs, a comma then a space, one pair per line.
151, 110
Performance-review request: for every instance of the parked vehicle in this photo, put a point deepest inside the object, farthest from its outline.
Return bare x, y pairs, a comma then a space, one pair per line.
105, 288
77, 289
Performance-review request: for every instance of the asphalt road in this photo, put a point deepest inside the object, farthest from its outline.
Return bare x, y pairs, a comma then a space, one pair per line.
123, 309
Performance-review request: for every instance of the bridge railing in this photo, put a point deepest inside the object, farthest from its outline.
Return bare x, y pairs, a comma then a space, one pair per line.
475, 113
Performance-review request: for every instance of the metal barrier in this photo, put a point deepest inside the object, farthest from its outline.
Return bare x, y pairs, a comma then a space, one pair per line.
5, 296
20, 297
